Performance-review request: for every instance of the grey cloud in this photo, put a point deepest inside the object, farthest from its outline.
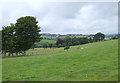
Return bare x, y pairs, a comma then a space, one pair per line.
67, 17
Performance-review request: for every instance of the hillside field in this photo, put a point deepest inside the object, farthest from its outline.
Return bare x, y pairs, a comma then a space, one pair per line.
89, 62
49, 41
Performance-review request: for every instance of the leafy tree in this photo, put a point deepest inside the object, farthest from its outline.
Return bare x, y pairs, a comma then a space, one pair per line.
54, 45
90, 40
27, 32
76, 43
0, 40
114, 37
73, 39
64, 44
59, 45
84, 40
99, 37
50, 45
33, 46
67, 39
66, 47
45, 45
59, 41
8, 40
70, 43
4, 40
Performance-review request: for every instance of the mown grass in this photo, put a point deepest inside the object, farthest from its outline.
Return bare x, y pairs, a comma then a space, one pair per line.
95, 62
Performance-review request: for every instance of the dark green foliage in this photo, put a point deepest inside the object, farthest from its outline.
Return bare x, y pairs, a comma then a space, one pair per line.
73, 39
21, 36
64, 44
59, 41
66, 47
59, 45
27, 32
8, 40
0, 40
70, 43
90, 40
99, 37
54, 45
33, 46
67, 39
45, 45
84, 40
76, 43
50, 45
115, 37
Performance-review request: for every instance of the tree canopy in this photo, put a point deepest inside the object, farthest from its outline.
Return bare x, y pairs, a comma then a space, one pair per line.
27, 32
99, 37
21, 36
8, 39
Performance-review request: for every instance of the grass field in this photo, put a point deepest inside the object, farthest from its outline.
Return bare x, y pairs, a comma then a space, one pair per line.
43, 41
49, 41
90, 62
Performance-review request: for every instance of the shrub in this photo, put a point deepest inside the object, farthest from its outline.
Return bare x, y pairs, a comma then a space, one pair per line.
45, 45
70, 44
66, 47
64, 44
76, 43
114, 37
59, 45
50, 45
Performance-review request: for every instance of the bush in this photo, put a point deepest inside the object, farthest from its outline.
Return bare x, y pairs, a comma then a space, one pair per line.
50, 45
90, 40
59, 41
66, 47
70, 44
76, 43
54, 45
114, 37
64, 44
45, 45
59, 45
84, 40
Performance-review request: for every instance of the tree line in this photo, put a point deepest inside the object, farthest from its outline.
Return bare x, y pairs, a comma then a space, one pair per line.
72, 41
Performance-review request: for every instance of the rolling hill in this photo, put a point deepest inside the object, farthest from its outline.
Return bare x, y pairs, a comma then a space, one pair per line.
89, 62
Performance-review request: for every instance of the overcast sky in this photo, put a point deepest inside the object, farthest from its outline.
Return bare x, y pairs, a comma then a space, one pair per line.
65, 17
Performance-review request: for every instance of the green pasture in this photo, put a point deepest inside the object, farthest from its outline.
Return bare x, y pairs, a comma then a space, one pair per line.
46, 40
43, 41
89, 62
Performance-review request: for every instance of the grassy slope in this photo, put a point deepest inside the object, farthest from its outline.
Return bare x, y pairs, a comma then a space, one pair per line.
45, 41
99, 61
49, 41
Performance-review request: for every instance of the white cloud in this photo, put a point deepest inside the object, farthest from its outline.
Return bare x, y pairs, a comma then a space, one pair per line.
65, 17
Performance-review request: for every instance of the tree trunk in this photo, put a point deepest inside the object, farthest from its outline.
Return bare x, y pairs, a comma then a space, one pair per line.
16, 54
5, 54
12, 54
9, 54
23, 53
